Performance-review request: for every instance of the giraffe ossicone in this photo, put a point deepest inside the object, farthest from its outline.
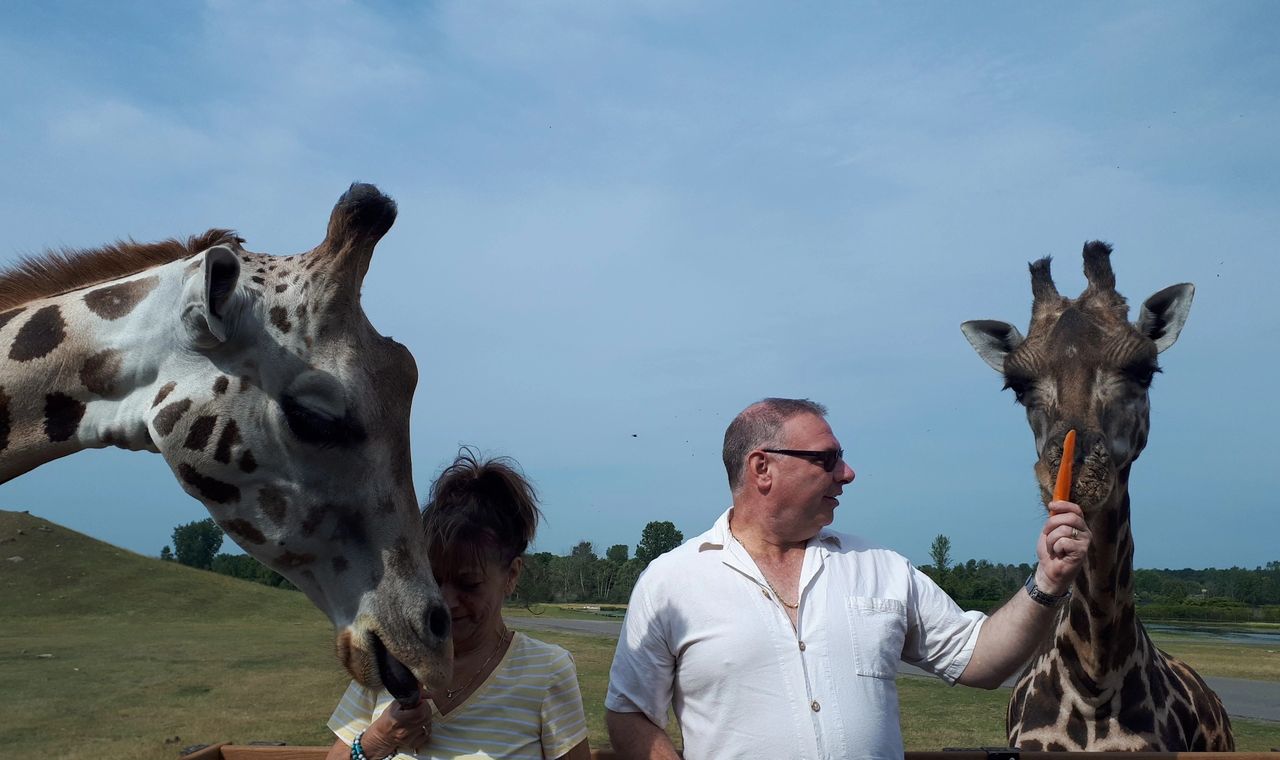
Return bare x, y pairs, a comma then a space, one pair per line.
1099, 684
261, 382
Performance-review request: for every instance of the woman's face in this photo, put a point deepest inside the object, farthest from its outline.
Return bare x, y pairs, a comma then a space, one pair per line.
474, 592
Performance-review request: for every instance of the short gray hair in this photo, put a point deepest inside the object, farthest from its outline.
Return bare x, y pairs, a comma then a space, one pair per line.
759, 426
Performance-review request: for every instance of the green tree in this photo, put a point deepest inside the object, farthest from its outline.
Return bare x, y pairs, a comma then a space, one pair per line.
658, 538
537, 580
195, 543
941, 553
617, 553
582, 572
166, 554
628, 573
247, 568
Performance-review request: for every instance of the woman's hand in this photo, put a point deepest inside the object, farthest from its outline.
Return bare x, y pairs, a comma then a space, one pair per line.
398, 728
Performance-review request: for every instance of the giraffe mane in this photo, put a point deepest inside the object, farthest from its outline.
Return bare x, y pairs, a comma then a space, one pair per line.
63, 270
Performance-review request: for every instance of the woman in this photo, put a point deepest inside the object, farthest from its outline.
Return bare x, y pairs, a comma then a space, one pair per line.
511, 696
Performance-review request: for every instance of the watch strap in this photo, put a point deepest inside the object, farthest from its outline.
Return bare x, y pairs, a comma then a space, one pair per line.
1040, 597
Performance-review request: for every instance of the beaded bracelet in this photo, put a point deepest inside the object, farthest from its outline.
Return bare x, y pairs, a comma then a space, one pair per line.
357, 752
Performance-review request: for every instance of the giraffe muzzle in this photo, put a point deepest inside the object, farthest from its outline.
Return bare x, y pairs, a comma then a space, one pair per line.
396, 678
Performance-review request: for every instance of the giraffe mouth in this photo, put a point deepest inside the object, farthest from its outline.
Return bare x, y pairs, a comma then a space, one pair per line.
396, 678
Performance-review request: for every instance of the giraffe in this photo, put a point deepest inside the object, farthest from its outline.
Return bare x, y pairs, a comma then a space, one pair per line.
1099, 683
274, 401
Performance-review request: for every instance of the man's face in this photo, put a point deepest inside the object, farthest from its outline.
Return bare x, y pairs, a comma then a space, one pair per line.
807, 494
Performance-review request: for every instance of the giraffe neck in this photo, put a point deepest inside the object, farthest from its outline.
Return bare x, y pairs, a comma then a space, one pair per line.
79, 369
1100, 624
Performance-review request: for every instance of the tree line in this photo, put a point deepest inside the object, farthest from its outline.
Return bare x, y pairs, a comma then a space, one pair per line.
579, 576
1184, 594
583, 575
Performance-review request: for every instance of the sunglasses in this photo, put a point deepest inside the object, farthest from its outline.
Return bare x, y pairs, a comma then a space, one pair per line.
828, 459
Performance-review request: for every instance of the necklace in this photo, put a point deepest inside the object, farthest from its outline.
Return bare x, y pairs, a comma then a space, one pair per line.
449, 694
776, 595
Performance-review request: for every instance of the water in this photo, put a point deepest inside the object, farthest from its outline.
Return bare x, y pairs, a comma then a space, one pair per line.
1214, 633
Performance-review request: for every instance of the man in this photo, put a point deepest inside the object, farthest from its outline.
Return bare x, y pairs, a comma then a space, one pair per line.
773, 636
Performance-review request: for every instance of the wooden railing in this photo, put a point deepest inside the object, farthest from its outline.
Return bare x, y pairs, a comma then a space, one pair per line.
248, 752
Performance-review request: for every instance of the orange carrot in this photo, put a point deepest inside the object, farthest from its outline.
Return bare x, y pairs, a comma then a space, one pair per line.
1062, 489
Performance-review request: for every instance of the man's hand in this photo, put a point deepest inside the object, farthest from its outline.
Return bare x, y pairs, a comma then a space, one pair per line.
398, 728
1012, 634
1062, 547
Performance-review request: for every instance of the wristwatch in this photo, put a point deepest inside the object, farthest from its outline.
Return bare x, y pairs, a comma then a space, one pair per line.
1040, 597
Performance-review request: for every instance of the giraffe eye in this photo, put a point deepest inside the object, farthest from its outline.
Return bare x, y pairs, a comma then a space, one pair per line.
1142, 373
308, 424
1020, 386
316, 427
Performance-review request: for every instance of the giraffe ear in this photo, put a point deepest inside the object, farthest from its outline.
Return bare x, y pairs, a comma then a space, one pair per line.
992, 340
221, 272
212, 301
1163, 314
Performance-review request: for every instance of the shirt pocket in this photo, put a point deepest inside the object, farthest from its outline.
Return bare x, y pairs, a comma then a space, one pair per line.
879, 629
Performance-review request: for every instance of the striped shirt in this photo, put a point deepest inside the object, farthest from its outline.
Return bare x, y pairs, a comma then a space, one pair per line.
528, 707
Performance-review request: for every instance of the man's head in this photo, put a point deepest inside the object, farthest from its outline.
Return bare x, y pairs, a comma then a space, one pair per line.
781, 455
759, 426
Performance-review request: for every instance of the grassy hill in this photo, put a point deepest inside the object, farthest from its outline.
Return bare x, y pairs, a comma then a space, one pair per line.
105, 653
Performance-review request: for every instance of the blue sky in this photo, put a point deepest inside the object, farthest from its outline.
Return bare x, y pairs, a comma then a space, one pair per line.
622, 222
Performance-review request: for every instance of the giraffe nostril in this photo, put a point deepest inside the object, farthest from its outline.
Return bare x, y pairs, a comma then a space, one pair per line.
438, 621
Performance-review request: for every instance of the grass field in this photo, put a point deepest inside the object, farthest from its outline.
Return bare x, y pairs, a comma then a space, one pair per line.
107, 654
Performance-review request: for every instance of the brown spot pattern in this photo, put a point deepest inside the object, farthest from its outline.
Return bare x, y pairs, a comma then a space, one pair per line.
116, 437
312, 521
115, 301
273, 503
99, 372
247, 462
220, 385
169, 416
201, 430
209, 488
230, 436
41, 334
62, 415
282, 287
280, 318
292, 560
244, 529
163, 393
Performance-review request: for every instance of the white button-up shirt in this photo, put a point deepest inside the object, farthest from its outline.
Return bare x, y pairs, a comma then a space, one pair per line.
703, 634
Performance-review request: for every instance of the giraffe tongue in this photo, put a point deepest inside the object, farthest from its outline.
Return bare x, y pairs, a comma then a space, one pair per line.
395, 676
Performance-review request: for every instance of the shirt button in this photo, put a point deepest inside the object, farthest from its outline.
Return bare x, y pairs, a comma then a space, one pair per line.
765, 594
802, 646
815, 706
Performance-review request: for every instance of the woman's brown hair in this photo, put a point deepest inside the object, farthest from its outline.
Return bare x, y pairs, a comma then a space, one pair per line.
479, 509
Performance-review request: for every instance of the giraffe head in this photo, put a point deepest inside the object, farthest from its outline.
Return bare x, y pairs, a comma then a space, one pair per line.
1084, 366
280, 407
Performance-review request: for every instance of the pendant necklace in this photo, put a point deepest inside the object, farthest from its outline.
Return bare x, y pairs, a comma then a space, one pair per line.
449, 694
776, 595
